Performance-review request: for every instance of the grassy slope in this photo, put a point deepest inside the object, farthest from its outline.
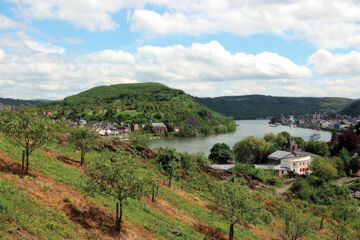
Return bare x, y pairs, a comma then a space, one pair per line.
20, 217
189, 197
260, 106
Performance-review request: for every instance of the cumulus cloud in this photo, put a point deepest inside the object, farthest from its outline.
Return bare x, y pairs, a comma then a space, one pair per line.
327, 63
327, 24
201, 69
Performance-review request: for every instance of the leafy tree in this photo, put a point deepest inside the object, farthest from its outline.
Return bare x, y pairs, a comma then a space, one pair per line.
322, 211
237, 205
318, 147
270, 137
28, 130
286, 135
120, 176
281, 139
82, 139
323, 169
296, 223
348, 140
169, 160
354, 165
250, 149
299, 141
220, 153
344, 155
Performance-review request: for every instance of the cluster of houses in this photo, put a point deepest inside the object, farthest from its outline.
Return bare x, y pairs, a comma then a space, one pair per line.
321, 120
119, 129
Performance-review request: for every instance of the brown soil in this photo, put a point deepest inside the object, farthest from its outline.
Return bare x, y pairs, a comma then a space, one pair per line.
67, 160
170, 210
79, 209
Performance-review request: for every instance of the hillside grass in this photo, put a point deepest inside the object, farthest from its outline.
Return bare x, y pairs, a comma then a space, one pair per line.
137, 212
19, 215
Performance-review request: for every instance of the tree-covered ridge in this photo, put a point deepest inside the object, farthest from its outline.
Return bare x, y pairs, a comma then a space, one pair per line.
135, 103
352, 110
260, 106
9, 102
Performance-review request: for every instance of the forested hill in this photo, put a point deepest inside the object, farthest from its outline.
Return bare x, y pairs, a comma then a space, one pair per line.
8, 102
260, 106
352, 110
134, 103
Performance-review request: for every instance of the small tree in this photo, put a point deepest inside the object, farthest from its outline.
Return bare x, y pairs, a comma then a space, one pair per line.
237, 205
323, 169
220, 153
28, 130
296, 223
82, 139
322, 211
169, 160
120, 176
154, 184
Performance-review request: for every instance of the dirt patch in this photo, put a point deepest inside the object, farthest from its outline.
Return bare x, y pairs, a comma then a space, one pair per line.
252, 181
170, 210
185, 195
81, 210
67, 160
22, 234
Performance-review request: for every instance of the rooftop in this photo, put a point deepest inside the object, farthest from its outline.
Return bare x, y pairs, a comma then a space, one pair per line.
278, 155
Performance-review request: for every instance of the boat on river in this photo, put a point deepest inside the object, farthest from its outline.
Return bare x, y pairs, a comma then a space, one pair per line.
315, 137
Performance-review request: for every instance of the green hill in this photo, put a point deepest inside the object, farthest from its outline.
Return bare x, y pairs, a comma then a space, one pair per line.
135, 103
352, 110
260, 106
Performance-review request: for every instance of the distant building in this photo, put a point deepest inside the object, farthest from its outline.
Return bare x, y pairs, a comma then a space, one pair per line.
159, 127
277, 156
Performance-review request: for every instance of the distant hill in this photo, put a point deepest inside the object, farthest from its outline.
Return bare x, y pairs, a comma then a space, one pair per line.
260, 106
8, 102
353, 109
135, 103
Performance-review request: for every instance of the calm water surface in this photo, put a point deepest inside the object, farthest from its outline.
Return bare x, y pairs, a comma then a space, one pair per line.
256, 128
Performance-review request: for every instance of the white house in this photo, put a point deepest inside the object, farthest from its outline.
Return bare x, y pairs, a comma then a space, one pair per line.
298, 165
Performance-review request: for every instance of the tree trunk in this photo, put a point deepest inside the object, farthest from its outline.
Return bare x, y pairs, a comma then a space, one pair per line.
118, 217
153, 199
82, 159
170, 180
27, 162
322, 223
23, 162
231, 232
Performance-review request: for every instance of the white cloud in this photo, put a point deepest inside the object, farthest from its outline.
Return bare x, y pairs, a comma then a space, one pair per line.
6, 23
2, 54
95, 15
326, 23
201, 69
327, 63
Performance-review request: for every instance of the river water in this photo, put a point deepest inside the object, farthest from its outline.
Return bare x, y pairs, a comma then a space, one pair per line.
256, 128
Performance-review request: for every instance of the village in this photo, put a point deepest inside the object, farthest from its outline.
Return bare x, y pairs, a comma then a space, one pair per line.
321, 120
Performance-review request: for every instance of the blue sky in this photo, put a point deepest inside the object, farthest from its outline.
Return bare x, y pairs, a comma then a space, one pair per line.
52, 49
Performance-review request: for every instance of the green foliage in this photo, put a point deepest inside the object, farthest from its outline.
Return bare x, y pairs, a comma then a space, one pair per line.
318, 147
220, 153
82, 139
296, 223
323, 169
27, 129
260, 106
134, 103
236, 204
8, 102
119, 176
344, 155
353, 109
169, 160
250, 149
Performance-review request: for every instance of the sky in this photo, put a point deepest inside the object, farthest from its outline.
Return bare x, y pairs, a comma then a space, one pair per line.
50, 49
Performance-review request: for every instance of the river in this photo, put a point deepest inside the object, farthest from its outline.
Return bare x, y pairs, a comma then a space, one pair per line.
256, 128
